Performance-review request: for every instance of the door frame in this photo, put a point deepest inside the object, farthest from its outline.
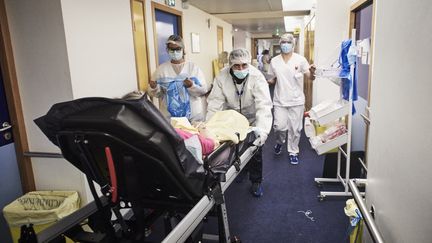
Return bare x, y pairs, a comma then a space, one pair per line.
14, 103
145, 36
359, 5
356, 7
157, 6
254, 46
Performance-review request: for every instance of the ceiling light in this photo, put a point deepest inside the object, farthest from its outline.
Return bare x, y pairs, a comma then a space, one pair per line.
235, 29
290, 5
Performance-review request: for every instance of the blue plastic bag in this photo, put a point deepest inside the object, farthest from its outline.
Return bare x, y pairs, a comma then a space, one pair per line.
347, 57
177, 97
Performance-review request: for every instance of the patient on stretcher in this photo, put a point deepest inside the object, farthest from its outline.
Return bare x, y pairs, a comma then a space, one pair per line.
202, 138
222, 127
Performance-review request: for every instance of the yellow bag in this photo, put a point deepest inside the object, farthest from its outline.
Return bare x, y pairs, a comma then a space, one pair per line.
40, 208
357, 234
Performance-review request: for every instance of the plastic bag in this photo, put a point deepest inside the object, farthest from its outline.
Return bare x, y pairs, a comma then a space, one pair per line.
177, 98
41, 207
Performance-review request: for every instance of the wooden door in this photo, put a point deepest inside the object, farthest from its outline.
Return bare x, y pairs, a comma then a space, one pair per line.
140, 42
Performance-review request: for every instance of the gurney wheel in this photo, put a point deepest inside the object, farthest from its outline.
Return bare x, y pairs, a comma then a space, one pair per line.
321, 198
235, 239
319, 184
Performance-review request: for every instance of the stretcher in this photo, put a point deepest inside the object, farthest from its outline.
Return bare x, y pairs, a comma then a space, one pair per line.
144, 172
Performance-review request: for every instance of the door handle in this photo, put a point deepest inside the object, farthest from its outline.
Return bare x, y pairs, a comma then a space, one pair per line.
5, 126
365, 119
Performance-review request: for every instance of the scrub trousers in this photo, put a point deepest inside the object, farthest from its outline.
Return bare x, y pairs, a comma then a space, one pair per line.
255, 167
288, 123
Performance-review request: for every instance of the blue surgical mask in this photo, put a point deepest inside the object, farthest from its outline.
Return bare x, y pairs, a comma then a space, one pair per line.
176, 55
286, 47
241, 74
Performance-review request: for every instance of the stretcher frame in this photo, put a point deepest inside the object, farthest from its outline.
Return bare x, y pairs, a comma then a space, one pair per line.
182, 230
105, 138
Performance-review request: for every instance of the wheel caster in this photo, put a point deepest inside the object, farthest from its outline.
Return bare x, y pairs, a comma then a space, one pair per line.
321, 198
319, 184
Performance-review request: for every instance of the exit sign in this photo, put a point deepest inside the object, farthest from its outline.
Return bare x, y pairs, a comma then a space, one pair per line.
170, 3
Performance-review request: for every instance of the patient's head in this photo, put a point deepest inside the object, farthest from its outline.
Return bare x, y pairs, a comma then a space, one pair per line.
134, 95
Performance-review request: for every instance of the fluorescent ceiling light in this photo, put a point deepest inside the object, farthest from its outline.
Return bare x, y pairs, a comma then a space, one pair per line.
296, 5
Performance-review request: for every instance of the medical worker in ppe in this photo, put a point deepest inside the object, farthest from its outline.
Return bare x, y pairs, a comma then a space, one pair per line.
243, 88
288, 70
179, 83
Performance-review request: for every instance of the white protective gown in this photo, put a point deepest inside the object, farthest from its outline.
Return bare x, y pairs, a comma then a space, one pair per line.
255, 100
166, 73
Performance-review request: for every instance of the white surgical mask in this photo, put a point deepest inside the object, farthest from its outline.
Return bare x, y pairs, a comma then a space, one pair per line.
241, 74
286, 47
176, 55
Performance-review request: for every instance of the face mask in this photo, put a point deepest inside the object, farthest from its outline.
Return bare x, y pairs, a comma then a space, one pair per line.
176, 55
241, 74
286, 47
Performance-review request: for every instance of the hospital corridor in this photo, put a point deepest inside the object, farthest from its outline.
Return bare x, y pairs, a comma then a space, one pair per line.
200, 121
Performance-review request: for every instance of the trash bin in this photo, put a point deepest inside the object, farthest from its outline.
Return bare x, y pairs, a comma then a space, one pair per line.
355, 228
40, 208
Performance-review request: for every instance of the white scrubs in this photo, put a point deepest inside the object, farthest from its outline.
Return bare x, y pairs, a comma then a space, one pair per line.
288, 99
166, 73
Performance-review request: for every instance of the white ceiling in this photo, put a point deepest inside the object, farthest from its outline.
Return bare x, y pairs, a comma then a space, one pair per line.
237, 6
254, 16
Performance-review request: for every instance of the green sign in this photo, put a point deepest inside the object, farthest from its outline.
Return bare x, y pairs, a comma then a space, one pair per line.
170, 3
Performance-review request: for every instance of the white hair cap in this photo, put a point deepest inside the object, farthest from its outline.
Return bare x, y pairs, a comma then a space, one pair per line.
287, 37
176, 40
239, 56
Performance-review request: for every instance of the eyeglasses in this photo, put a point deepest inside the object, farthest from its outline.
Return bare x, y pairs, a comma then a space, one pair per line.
288, 42
175, 49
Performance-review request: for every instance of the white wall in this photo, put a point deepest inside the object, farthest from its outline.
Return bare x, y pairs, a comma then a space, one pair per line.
195, 21
242, 40
100, 47
331, 28
400, 138
66, 50
39, 47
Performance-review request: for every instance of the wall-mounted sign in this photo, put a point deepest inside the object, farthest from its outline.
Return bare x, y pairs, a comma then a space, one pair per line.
170, 3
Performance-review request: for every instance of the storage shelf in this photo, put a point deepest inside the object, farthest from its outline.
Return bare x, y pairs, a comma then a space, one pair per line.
332, 115
334, 143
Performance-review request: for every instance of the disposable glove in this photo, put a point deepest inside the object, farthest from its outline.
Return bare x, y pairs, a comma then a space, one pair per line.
260, 136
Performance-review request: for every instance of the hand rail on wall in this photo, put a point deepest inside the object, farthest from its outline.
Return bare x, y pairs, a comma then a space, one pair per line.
42, 155
369, 220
